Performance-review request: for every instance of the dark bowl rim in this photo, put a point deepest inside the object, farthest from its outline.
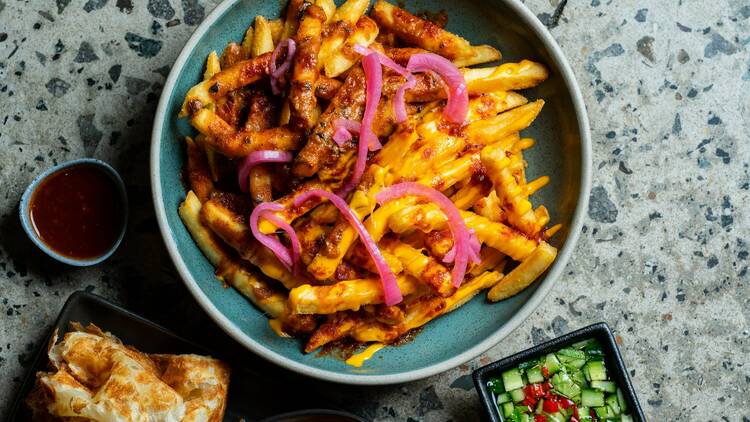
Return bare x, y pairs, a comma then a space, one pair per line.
613, 360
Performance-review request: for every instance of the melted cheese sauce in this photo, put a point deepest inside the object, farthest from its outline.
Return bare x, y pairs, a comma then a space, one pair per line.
360, 358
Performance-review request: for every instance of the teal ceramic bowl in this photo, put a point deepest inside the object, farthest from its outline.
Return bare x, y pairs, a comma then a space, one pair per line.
562, 151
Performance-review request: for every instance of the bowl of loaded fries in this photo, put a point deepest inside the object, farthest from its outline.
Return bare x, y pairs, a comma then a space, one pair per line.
366, 193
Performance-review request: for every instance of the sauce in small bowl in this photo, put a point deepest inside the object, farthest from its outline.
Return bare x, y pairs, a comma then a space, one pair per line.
76, 212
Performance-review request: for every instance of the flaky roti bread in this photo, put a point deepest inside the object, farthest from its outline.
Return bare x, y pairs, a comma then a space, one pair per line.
94, 377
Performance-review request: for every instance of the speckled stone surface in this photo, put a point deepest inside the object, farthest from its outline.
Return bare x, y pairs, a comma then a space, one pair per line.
663, 256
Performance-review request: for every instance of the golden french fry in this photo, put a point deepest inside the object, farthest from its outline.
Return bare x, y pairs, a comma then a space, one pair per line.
259, 291
422, 311
262, 38
277, 27
420, 32
350, 11
219, 85
247, 42
291, 21
303, 104
514, 120
506, 77
342, 58
329, 7
344, 295
480, 54
198, 173
525, 273
212, 65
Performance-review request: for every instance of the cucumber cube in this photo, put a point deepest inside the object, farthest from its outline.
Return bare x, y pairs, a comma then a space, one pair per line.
534, 374
503, 398
552, 363
601, 412
584, 414
567, 354
578, 378
555, 417
607, 386
597, 370
592, 398
613, 404
496, 385
507, 409
621, 401
626, 418
512, 379
517, 395
564, 385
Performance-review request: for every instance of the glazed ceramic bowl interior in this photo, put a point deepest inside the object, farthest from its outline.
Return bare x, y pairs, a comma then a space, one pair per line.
561, 151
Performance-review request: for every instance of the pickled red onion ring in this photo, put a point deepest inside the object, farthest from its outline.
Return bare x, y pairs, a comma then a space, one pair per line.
277, 72
265, 210
259, 157
391, 292
464, 248
458, 95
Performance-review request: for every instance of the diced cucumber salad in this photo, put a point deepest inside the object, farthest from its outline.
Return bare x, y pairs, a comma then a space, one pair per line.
571, 384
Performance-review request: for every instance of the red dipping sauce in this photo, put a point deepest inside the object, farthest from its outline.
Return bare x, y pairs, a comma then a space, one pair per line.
77, 211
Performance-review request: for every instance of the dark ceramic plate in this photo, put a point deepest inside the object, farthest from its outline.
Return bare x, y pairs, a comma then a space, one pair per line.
599, 331
252, 396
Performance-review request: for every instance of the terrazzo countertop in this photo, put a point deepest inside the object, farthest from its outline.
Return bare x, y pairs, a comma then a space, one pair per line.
663, 256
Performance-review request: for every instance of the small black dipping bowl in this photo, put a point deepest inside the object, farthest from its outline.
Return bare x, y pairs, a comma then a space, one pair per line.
612, 358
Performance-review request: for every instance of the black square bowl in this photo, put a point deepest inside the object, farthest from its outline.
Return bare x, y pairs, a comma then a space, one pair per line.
599, 331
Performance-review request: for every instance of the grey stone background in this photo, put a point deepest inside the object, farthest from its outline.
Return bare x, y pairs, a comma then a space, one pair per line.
663, 256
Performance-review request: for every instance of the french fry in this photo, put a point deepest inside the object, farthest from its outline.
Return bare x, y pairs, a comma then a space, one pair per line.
424, 268
237, 76
233, 143
198, 172
329, 7
326, 88
212, 66
350, 11
227, 226
344, 295
491, 260
338, 326
302, 100
525, 273
420, 32
429, 218
259, 291
423, 311
262, 38
340, 59
489, 207
511, 121
231, 55
291, 20
320, 149
511, 194
506, 77
480, 54
247, 42
277, 28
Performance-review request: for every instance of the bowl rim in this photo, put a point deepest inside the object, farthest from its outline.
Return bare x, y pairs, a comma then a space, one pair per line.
23, 208
557, 56
599, 331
